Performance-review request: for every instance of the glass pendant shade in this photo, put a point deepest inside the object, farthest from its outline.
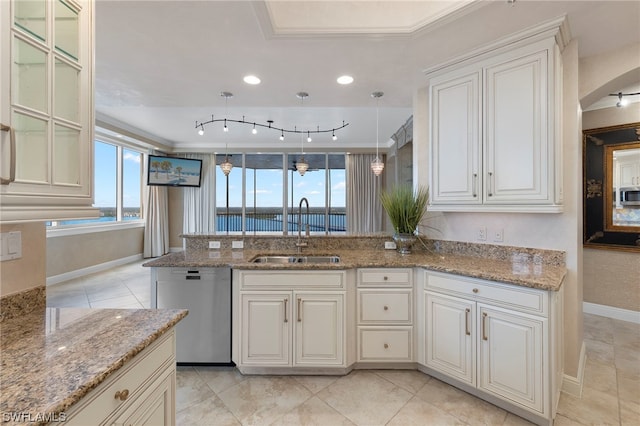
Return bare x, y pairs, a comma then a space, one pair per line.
302, 166
226, 166
377, 166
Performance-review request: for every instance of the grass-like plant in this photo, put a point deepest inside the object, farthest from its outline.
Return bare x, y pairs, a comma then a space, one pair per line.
405, 206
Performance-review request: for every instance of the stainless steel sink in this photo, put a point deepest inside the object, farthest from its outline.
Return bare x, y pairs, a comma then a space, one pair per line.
297, 259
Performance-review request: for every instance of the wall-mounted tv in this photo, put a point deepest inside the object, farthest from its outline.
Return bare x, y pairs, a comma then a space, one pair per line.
174, 171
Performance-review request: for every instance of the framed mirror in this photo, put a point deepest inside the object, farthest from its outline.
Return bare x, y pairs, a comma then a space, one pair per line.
611, 182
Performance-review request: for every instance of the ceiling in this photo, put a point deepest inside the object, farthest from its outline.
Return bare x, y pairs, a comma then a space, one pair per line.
161, 65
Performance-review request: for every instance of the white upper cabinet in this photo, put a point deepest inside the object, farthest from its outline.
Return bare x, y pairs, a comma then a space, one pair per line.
47, 111
495, 128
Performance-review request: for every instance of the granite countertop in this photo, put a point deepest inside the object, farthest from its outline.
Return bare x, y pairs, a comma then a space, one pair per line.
545, 277
52, 357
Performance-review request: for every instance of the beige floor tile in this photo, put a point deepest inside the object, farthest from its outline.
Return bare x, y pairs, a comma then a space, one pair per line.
78, 301
629, 413
190, 388
314, 412
220, 379
599, 351
600, 376
261, 400
464, 406
101, 293
595, 407
365, 398
628, 388
561, 420
315, 383
409, 380
210, 412
598, 328
513, 420
120, 302
417, 412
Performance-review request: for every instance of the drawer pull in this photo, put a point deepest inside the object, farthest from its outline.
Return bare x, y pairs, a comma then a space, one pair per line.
466, 322
12, 155
475, 290
386, 308
386, 346
286, 300
122, 395
484, 323
299, 310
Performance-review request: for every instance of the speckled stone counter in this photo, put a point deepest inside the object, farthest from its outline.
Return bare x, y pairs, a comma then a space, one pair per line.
51, 358
479, 261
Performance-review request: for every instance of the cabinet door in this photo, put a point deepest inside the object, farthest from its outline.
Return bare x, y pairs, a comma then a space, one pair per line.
629, 173
450, 336
455, 135
265, 328
319, 329
155, 407
516, 139
46, 87
510, 356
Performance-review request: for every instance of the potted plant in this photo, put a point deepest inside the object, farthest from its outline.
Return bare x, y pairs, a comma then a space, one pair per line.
405, 207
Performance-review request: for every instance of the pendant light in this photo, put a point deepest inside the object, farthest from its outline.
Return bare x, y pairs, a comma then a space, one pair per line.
226, 165
377, 165
302, 166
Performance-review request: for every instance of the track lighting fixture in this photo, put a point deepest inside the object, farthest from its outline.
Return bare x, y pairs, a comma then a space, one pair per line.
226, 95
377, 165
621, 100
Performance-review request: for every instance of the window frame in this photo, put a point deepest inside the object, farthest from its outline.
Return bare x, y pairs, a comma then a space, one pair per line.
56, 229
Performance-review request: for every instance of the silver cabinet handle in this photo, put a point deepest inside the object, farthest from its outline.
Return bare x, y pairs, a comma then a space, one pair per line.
286, 300
475, 185
489, 184
12, 155
484, 323
299, 310
466, 322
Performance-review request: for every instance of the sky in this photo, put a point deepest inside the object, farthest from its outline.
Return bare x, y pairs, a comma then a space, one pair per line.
105, 176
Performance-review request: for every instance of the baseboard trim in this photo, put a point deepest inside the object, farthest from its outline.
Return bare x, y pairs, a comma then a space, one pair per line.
611, 312
175, 249
573, 385
56, 279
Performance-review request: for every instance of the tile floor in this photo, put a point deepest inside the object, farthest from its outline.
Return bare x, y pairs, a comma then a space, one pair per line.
222, 396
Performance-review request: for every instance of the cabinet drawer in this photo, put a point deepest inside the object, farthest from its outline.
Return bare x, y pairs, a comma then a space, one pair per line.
385, 344
385, 306
101, 403
375, 277
291, 279
523, 299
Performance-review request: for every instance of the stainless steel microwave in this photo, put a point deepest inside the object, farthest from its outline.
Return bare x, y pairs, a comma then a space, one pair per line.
630, 196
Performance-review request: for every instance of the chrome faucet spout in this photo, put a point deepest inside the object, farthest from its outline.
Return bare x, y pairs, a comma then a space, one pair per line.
301, 243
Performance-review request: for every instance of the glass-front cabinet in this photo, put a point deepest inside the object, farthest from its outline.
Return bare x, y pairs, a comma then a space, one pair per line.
46, 109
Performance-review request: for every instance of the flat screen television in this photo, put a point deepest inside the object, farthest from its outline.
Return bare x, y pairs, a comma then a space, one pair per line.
174, 171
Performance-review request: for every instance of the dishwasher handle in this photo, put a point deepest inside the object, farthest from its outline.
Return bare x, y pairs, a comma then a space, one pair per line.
192, 277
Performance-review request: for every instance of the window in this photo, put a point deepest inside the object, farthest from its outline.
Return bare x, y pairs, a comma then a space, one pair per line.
117, 185
273, 189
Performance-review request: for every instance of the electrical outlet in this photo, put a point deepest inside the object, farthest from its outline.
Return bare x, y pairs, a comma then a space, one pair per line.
214, 244
482, 233
498, 235
237, 244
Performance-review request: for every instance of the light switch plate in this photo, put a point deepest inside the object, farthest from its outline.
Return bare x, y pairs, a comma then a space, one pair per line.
389, 245
10, 245
214, 244
237, 244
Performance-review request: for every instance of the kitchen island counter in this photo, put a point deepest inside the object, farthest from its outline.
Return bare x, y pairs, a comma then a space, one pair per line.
52, 357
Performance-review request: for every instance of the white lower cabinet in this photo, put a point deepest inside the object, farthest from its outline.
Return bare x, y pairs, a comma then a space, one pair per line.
500, 339
295, 319
385, 315
140, 393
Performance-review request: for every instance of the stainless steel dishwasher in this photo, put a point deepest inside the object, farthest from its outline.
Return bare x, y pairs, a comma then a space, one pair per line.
203, 336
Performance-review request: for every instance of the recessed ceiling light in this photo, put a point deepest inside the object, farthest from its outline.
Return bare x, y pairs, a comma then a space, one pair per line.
345, 79
251, 79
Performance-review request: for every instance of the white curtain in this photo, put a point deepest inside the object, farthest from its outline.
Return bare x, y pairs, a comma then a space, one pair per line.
156, 218
199, 203
364, 211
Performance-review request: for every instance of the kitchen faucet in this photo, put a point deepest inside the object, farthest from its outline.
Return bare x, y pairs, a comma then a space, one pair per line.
301, 243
